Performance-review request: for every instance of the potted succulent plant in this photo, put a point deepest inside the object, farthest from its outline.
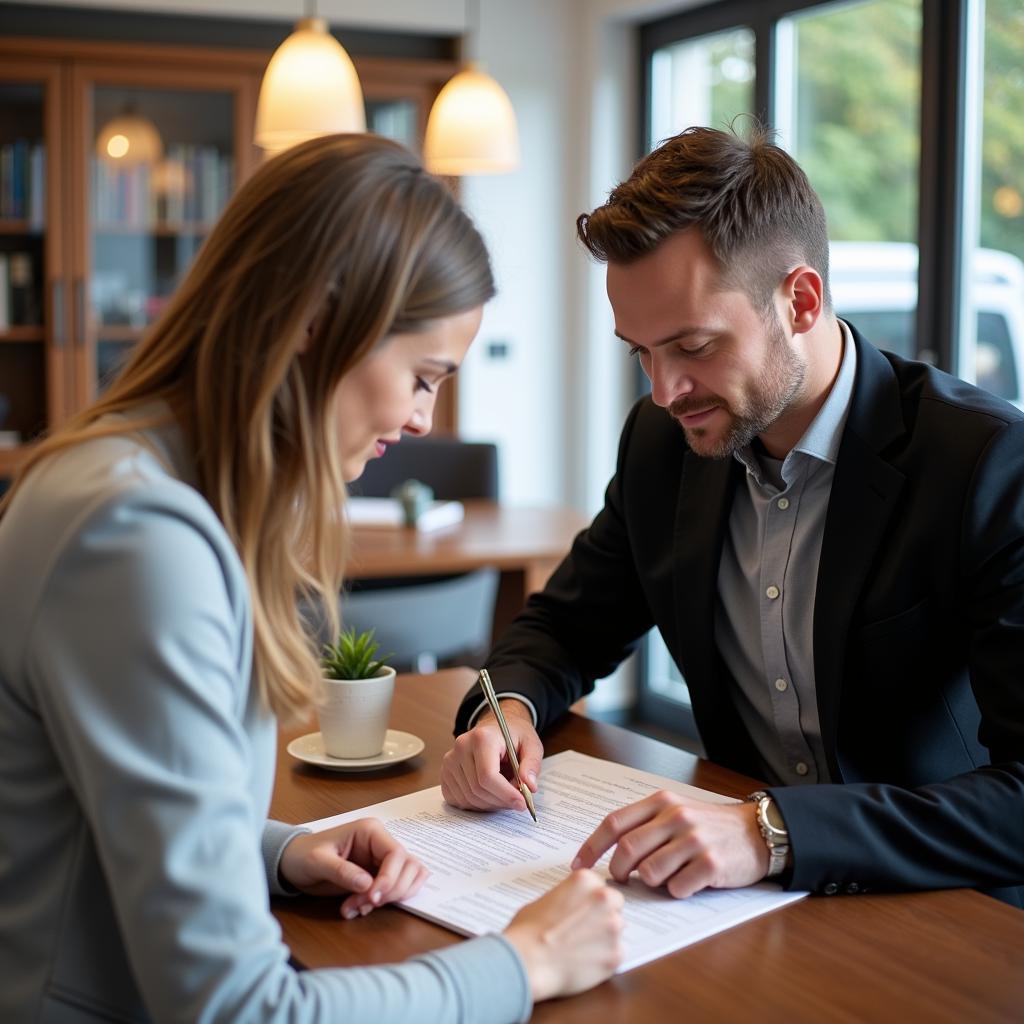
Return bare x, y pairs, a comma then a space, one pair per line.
356, 705
352, 657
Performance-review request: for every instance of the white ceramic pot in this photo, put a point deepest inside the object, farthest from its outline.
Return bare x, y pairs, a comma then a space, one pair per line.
354, 714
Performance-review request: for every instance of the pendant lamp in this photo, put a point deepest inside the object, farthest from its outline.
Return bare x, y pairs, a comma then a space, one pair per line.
472, 126
310, 88
128, 140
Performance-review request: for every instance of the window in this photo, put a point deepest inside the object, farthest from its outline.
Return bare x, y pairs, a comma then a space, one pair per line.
992, 338
848, 95
906, 116
709, 80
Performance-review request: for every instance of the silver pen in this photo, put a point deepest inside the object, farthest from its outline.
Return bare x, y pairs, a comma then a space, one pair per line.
492, 701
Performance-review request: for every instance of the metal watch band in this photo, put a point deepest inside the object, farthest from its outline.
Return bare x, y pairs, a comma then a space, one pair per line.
776, 839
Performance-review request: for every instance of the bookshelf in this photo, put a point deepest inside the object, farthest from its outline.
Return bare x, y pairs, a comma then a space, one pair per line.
91, 244
31, 367
97, 246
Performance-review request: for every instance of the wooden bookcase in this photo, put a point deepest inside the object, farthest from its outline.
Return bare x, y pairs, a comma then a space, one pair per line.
96, 248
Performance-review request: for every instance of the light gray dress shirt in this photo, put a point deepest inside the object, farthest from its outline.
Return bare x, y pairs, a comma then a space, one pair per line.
767, 578
136, 768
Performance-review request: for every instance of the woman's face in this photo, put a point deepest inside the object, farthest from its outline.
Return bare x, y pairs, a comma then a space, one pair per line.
392, 391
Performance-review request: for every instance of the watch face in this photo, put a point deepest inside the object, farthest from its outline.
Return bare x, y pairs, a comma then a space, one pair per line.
773, 817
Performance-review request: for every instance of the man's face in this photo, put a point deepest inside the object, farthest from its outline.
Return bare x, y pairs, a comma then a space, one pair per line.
724, 371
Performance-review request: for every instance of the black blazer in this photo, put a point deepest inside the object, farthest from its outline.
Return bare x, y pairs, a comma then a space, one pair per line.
918, 627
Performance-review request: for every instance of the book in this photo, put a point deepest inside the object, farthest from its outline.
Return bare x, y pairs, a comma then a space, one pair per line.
388, 513
23, 308
5, 308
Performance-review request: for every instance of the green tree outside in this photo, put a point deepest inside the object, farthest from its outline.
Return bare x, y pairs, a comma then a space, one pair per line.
858, 97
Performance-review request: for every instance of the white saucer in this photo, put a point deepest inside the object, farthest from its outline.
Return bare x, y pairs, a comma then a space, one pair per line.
398, 747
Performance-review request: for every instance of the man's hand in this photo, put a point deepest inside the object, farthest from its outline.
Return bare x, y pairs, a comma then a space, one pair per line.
361, 858
683, 844
475, 773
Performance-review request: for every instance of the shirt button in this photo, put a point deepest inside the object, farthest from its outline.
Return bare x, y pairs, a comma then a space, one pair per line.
781, 684
783, 503
831, 889
801, 768
772, 592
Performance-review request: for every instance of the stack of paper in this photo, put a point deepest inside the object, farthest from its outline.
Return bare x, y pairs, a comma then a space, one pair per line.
486, 867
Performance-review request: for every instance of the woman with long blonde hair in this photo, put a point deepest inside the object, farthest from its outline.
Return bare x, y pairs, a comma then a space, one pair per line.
155, 553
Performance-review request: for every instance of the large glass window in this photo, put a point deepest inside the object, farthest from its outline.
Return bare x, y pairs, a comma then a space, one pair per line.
992, 338
848, 100
906, 116
706, 81
848, 85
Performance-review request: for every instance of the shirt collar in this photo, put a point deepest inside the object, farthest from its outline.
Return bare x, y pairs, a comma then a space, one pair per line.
822, 437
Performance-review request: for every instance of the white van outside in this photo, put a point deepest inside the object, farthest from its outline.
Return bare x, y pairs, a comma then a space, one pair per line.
874, 285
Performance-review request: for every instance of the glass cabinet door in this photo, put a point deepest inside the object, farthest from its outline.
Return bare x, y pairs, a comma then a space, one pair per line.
396, 118
32, 377
160, 162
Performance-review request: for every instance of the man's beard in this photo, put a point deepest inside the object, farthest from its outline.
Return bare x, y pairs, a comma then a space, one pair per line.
778, 383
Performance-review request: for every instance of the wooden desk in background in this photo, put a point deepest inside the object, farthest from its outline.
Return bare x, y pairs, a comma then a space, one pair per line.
524, 544
945, 956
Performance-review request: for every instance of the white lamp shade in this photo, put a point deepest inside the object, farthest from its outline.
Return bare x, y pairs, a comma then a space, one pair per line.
310, 88
472, 127
129, 140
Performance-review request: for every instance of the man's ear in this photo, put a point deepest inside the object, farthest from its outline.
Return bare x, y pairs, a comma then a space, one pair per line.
803, 295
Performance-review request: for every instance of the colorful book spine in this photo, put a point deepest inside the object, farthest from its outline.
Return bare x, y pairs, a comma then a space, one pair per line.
22, 181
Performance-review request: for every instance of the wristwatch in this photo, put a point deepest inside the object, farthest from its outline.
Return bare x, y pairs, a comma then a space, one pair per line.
773, 829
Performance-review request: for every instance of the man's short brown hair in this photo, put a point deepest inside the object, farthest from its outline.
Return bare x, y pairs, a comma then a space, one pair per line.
753, 204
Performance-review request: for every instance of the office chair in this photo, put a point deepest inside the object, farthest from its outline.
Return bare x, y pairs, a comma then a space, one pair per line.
422, 625
425, 621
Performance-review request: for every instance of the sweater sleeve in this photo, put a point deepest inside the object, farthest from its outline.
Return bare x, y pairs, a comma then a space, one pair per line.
276, 836
136, 658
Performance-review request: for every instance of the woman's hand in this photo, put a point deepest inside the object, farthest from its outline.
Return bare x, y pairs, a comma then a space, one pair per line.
569, 939
360, 858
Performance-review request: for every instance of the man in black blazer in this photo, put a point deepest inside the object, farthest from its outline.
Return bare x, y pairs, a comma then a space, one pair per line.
832, 547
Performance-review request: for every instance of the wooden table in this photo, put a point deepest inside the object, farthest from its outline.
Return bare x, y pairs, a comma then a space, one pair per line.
524, 544
951, 956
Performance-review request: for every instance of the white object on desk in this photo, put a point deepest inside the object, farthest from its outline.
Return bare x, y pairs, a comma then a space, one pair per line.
398, 747
486, 867
387, 512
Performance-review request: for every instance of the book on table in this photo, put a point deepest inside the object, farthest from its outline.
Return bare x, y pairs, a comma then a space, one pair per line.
388, 513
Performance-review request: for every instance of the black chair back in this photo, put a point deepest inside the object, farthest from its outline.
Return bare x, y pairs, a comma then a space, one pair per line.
455, 470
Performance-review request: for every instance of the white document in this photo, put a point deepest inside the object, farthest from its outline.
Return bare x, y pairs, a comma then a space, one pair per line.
486, 866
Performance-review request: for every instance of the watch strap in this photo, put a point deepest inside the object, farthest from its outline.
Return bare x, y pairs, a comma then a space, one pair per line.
775, 838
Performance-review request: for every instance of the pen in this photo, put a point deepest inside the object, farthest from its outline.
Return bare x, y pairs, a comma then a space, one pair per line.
492, 701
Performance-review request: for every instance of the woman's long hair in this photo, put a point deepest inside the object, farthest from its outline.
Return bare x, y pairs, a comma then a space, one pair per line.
329, 247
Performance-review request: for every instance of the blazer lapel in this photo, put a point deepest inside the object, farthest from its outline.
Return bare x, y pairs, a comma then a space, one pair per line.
864, 495
702, 516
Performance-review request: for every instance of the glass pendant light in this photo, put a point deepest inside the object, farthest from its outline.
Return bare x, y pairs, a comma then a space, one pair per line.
128, 140
472, 125
310, 88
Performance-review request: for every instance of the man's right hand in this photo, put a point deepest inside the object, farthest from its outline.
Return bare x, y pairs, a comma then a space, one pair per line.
475, 773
